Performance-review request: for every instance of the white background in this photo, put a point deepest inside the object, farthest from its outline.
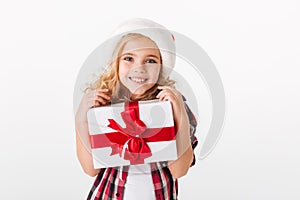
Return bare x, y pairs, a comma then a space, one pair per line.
254, 44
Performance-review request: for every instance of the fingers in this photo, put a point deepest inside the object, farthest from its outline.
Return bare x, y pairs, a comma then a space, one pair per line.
102, 90
172, 93
96, 100
166, 94
170, 89
163, 95
98, 97
101, 94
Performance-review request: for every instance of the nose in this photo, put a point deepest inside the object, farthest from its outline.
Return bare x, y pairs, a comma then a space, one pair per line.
139, 68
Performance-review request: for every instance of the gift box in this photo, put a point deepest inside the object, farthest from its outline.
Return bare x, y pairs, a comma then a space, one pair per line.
132, 133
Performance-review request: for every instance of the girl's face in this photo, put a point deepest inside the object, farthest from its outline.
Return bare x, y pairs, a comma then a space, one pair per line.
139, 65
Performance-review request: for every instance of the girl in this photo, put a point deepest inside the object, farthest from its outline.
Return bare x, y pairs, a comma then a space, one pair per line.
137, 72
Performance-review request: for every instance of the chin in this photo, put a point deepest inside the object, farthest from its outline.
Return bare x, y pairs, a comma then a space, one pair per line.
138, 92
141, 90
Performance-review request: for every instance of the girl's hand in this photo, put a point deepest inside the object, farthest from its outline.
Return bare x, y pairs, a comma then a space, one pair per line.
95, 98
92, 98
171, 94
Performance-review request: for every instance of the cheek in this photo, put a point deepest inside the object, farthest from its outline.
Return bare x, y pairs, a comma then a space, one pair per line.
156, 72
123, 70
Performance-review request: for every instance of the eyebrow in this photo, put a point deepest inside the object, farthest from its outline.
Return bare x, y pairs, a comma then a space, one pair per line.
132, 54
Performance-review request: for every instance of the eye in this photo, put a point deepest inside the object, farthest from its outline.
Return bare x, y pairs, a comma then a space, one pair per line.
150, 61
128, 58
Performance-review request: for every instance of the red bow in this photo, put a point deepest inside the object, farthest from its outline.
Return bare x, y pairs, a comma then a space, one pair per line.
135, 148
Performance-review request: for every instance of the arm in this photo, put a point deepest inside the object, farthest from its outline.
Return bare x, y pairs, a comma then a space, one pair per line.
179, 167
83, 147
84, 152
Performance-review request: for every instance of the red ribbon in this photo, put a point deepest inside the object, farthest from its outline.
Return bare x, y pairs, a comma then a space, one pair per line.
131, 142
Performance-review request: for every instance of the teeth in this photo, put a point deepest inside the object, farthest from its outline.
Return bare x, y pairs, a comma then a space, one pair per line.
138, 80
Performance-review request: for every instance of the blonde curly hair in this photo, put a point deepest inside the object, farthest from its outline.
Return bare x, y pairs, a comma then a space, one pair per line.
110, 79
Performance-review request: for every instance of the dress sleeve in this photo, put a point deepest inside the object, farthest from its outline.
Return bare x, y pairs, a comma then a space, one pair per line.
193, 124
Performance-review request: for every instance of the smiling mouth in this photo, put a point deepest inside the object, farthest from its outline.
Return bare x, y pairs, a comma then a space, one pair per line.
138, 80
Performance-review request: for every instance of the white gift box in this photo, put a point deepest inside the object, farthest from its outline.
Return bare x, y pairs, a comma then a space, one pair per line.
132, 133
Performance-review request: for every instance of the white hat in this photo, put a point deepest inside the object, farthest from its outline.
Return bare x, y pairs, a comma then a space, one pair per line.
163, 38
